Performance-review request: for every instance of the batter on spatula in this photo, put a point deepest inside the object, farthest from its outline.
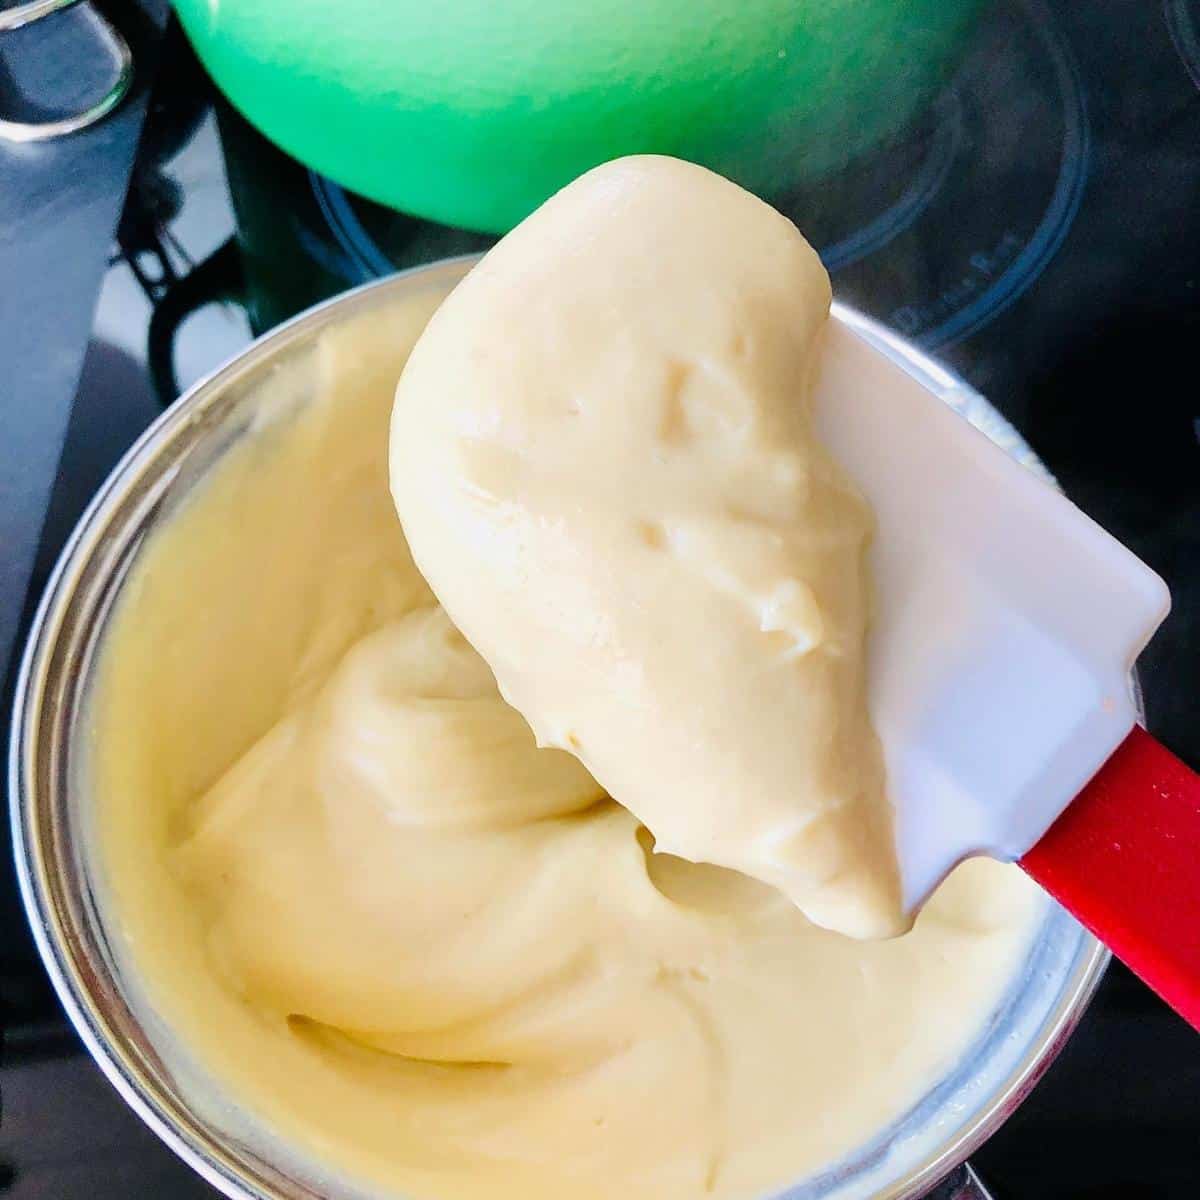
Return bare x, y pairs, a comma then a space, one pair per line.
604, 464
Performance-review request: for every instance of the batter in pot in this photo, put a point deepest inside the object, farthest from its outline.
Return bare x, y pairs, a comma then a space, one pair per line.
439, 960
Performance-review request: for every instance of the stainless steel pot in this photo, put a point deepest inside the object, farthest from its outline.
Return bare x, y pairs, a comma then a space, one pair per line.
56, 857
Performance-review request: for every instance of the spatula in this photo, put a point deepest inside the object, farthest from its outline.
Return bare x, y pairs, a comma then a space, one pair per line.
1007, 625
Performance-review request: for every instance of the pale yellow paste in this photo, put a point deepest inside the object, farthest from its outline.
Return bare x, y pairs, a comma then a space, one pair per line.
604, 463
436, 959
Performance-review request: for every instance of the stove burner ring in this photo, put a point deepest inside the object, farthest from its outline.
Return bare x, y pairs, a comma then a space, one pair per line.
1060, 213
1180, 17
925, 185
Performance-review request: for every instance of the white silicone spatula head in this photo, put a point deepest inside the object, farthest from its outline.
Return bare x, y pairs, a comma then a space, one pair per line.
598, 463
1006, 626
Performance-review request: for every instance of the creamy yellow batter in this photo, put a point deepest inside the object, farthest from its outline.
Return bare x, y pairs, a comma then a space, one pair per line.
436, 958
604, 463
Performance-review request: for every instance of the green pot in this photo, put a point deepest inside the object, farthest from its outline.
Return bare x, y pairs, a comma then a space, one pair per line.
472, 112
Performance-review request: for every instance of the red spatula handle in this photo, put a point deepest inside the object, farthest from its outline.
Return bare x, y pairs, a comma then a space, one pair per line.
1124, 858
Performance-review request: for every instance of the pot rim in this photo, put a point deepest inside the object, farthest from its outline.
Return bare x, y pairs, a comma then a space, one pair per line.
40, 892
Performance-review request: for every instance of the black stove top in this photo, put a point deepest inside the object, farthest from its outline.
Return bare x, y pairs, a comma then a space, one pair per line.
1037, 225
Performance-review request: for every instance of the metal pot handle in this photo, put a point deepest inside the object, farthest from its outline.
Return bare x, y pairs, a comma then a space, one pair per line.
113, 45
961, 1184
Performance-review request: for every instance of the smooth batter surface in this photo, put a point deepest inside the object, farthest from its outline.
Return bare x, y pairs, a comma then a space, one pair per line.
436, 958
604, 463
